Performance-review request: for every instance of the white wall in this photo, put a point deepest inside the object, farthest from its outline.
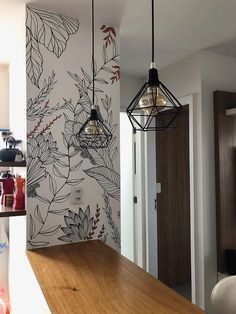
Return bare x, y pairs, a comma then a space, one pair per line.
12, 37
184, 78
4, 96
12, 52
201, 74
94, 172
132, 230
129, 86
217, 73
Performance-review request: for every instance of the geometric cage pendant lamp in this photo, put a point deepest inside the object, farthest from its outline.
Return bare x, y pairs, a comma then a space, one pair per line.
154, 107
94, 133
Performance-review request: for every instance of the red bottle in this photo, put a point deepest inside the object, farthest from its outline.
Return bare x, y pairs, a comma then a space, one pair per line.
19, 196
7, 186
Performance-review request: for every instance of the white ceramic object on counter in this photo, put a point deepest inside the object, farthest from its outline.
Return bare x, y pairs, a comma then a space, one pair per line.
223, 296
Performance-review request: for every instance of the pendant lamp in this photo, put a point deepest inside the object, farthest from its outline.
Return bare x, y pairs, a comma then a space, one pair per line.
94, 133
154, 107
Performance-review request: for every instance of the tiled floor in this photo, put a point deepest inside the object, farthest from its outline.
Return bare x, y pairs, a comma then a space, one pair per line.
184, 290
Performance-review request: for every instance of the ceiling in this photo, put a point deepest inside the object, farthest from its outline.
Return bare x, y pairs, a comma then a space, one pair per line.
183, 27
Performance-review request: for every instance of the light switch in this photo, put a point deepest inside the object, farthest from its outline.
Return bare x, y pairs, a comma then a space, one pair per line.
158, 188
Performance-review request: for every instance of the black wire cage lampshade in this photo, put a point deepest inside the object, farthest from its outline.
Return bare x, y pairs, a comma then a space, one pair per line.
154, 107
94, 133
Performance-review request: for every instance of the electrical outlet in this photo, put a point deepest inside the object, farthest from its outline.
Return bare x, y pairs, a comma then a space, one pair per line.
76, 195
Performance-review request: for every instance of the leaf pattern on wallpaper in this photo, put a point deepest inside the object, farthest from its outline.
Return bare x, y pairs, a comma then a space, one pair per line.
101, 157
115, 234
40, 153
104, 172
34, 59
50, 231
110, 33
49, 29
38, 215
108, 179
57, 162
81, 226
38, 108
43, 149
38, 244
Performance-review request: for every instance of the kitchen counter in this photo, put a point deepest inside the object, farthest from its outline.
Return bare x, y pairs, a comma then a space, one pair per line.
90, 277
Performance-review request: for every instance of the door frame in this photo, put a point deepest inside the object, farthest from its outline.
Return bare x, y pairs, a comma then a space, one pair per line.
145, 241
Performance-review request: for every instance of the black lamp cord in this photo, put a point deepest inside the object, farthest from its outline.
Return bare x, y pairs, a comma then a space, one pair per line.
93, 99
152, 31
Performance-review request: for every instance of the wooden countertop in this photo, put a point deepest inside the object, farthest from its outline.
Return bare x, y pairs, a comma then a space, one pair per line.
90, 277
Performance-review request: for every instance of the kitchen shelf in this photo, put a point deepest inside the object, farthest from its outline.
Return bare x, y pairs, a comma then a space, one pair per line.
13, 163
9, 211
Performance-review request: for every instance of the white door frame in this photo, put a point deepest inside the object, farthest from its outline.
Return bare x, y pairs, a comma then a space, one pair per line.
145, 227
126, 186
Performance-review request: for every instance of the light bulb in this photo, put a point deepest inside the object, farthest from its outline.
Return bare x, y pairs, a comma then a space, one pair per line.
93, 128
152, 101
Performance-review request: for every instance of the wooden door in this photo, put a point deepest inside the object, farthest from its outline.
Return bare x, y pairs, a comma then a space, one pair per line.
173, 203
225, 167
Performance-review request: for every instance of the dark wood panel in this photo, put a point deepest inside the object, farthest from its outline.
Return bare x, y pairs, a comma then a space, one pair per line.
225, 157
13, 163
90, 277
173, 203
9, 211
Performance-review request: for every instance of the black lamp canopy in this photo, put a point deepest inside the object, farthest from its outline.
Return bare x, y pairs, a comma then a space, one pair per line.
94, 133
154, 107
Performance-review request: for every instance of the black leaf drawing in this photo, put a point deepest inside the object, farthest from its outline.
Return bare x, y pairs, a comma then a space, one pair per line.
34, 110
62, 198
34, 59
76, 152
49, 29
101, 81
108, 70
52, 184
37, 214
50, 231
108, 211
108, 179
62, 163
35, 171
78, 226
66, 140
77, 166
59, 211
65, 238
43, 199
114, 153
57, 172
74, 182
32, 227
71, 24
101, 157
38, 243
104, 55
86, 76
60, 155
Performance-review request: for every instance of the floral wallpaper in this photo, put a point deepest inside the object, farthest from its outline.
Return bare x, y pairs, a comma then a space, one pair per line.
59, 93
